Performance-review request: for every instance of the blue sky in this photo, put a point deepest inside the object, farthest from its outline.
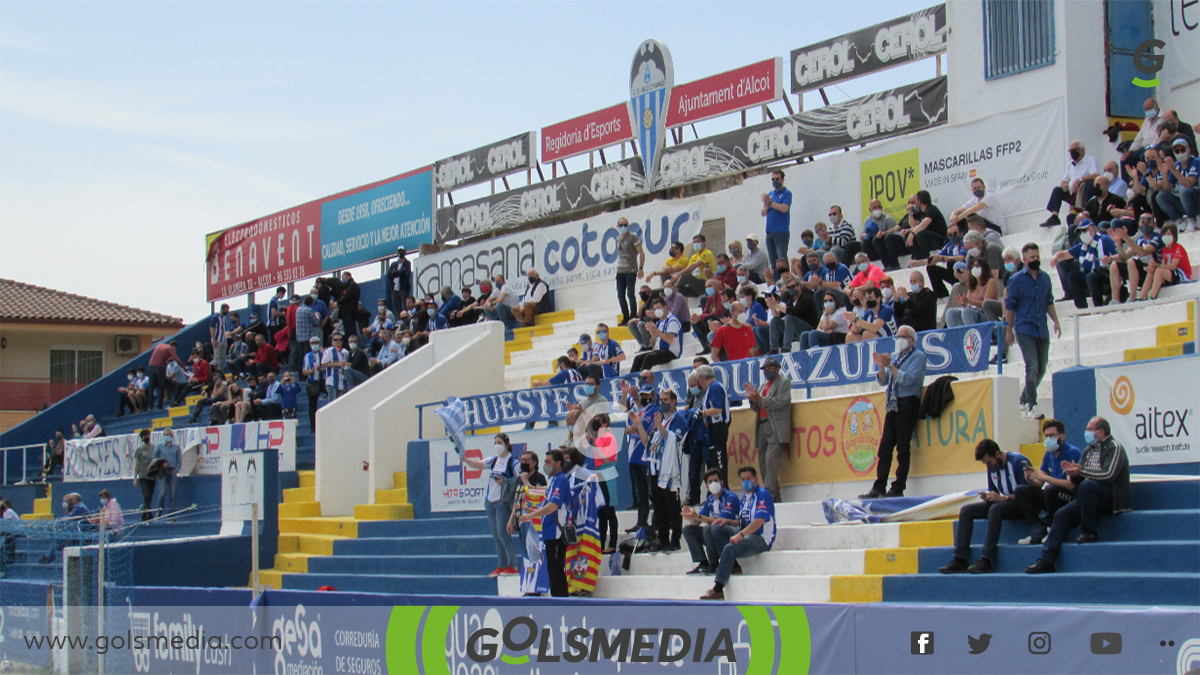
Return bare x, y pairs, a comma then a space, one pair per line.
130, 130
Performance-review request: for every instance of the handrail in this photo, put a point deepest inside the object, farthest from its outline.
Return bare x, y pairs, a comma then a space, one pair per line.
1189, 295
24, 459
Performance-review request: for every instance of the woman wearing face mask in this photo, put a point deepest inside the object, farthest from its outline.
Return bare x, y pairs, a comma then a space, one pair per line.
965, 282
1175, 268
503, 471
831, 330
981, 288
637, 325
110, 510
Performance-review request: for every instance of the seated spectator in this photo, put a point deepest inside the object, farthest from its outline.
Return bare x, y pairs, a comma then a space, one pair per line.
701, 267
238, 357
954, 251
755, 308
451, 304
928, 232
565, 374
141, 391
380, 323
265, 359
726, 272
1137, 258
713, 309
1170, 116
642, 316
1105, 206
110, 511
88, 428
1101, 486
831, 329
958, 292
74, 515
1048, 488
606, 353
668, 339
756, 262
843, 243
1084, 266
973, 308
289, 392
382, 304
499, 305
754, 533
218, 392
721, 507
1182, 201
524, 313
583, 357
830, 280
916, 306
866, 272
795, 313
735, 338
1006, 474
469, 313
404, 319
390, 352
54, 453
360, 366
1077, 183
978, 246
266, 404
177, 381
982, 203
1175, 267
676, 263
809, 244
875, 321
126, 395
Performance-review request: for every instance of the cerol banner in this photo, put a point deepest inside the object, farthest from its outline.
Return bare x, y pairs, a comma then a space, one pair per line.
1151, 407
483, 164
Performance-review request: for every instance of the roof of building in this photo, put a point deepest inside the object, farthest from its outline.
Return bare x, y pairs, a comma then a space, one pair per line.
28, 303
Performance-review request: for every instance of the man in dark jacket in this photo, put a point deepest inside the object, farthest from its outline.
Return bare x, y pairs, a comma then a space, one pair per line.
916, 306
1101, 480
348, 304
399, 277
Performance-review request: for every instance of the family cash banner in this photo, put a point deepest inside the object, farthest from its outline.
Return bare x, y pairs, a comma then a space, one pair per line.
889, 113
1151, 407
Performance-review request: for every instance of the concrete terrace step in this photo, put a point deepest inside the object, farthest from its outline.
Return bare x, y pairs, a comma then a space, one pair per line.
425, 527
1061, 589
404, 584
1100, 557
741, 588
332, 526
312, 544
774, 563
1164, 525
479, 544
453, 565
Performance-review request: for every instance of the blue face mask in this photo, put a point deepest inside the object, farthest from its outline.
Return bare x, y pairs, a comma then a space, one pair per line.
694, 390
720, 269
747, 485
1011, 267
1089, 437
710, 291
602, 335
589, 389
1151, 113
622, 229
1051, 444
697, 246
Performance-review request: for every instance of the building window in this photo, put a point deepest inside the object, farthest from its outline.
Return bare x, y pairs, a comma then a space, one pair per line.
1018, 35
76, 365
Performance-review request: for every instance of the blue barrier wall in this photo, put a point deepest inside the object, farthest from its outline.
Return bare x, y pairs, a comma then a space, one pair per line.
211, 562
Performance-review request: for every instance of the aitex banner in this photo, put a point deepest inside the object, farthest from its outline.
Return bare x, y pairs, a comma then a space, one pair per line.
745, 87
894, 112
868, 50
953, 350
553, 197
1151, 407
586, 133
343, 230
483, 164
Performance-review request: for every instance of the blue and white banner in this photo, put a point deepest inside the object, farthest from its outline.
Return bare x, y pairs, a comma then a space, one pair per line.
962, 349
651, 79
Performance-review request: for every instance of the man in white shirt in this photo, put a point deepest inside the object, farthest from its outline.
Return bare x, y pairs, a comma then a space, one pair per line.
1076, 187
334, 362
1146, 136
985, 203
499, 306
524, 313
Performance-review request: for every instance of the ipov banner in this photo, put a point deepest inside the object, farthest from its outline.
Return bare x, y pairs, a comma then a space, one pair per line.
894, 112
953, 350
483, 164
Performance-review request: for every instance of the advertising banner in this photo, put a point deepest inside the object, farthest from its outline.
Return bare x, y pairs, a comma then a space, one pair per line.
952, 350
586, 133
241, 485
885, 114
343, 230
572, 253
745, 87
454, 486
111, 457
1018, 155
1177, 24
868, 50
572, 192
1151, 407
484, 164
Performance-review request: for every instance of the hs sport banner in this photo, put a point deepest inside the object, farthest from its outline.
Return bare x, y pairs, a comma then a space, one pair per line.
651, 78
1017, 154
454, 486
241, 485
1151, 407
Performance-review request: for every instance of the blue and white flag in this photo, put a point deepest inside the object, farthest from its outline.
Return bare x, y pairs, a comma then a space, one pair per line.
650, 81
454, 416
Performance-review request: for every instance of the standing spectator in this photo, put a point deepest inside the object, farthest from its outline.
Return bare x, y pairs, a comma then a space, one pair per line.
1077, 183
844, 245
668, 339
735, 337
348, 304
308, 326
321, 308
983, 203
1048, 488
503, 469
777, 206
553, 514
874, 236
721, 507
1175, 267
162, 354
903, 374
54, 454
754, 534
313, 381
641, 421
335, 364
702, 265
1182, 201
606, 353
277, 312
216, 335
631, 264
1028, 301
399, 277
1084, 266
929, 232
1006, 472
288, 391
916, 306
141, 472
664, 443
757, 261
173, 458
715, 411
773, 428
524, 313
1101, 480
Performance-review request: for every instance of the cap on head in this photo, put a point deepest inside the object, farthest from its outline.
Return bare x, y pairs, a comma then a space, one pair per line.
585, 339
751, 237
1179, 140
314, 340
960, 266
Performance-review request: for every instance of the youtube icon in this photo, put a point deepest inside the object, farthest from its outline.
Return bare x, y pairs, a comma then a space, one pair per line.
1106, 643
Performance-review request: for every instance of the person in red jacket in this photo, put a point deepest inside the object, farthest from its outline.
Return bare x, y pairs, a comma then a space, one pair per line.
265, 359
736, 337
201, 376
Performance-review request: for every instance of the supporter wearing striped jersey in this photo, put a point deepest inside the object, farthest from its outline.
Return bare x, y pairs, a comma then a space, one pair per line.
754, 533
1005, 473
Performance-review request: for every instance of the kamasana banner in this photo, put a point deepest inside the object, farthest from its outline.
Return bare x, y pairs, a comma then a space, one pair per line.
894, 112
1151, 407
1018, 155
578, 252
953, 350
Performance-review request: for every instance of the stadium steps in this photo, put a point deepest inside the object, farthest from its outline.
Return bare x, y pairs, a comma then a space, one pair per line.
1171, 339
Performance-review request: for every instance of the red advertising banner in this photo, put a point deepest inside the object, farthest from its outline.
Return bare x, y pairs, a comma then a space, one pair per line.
587, 132
738, 89
269, 251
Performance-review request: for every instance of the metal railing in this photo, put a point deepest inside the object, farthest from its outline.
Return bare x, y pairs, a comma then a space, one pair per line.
1190, 295
24, 449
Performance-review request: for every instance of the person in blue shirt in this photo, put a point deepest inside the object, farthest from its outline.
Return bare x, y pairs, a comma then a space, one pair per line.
721, 507
321, 310
1083, 268
74, 514
216, 335
1048, 489
1029, 300
903, 375
450, 303
954, 250
715, 410
1137, 258
1182, 200
876, 320
754, 533
553, 514
605, 353
171, 453
1006, 472
777, 205
288, 391
641, 419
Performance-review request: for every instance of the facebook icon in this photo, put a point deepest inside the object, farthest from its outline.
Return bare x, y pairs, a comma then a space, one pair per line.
922, 643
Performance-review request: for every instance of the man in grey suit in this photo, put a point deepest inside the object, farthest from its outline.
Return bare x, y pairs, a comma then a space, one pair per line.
773, 429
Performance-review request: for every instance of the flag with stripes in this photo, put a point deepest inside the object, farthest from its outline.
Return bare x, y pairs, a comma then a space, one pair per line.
454, 416
583, 557
534, 577
651, 78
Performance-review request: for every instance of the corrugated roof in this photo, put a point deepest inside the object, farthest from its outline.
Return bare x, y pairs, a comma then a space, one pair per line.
26, 302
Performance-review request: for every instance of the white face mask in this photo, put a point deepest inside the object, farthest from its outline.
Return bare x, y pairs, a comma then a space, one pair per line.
976, 272
660, 312
668, 292
501, 448
1110, 176
745, 317
830, 305
66, 506
901, 344
877, 214
887, 293
1086, 238
915, 288
715, 488
1168, 239
835, 219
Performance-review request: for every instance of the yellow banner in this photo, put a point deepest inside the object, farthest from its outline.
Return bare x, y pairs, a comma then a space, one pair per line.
837, 440
890, 179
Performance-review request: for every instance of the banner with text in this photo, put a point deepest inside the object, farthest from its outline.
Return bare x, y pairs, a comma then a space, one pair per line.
1017, 154
343, 230
953, 350
558, 196
454, 486
588, 132
745, 87
1151, 407
885, 114
572, 253
484, 164
868, 50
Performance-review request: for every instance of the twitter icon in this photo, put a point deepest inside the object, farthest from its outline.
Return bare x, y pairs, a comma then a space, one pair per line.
980, 644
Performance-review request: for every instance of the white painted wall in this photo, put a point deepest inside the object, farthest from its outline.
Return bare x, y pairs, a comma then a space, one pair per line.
466, 361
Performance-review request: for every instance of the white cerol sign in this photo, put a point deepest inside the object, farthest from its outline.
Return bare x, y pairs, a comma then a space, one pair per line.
1152, 409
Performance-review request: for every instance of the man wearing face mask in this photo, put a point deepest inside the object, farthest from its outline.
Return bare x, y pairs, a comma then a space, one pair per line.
606, 353
842, 241
983, 203
772, 403
875, 322
553, 514
834, 279
865, 272
721, 507
916, 305
668, 339
172, 457
1105, 206
902, 375
726, 273
1182, 199
534, 292
1084, 266
714, 408
217, 327
735, 337
314, 383
939, 265
663, 440
676, 262
701, 266
929, 229
1137, 260
641, 418
1077, 183
754, 533
756, 261
74, 513
874, 237
1101, 480
631, 266
1116, 184
1146, 135
644, 315
1029, 300
1048, 488
308, 325
777, 205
